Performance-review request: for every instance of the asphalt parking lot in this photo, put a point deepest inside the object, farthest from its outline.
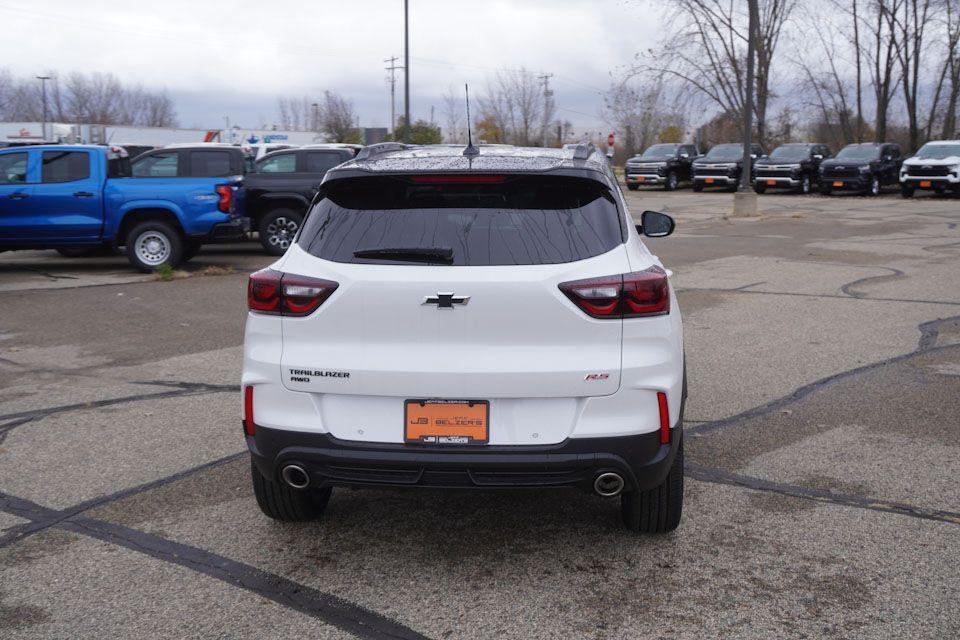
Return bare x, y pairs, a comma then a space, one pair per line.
822, 438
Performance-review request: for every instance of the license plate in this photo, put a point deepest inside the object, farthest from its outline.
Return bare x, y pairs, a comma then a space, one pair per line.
446, 421
640, 178
709, 180
838, 184
925, 183
771, 183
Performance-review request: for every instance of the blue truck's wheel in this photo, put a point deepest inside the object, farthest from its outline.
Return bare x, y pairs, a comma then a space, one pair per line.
153, 244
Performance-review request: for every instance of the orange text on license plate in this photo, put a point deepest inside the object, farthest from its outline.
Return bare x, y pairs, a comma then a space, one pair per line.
640, 178
709, 180
925, 183
446, 421
771, 183
838, 184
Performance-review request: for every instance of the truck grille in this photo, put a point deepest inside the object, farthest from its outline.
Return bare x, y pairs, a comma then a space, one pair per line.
772, 172
927, 172
841, 172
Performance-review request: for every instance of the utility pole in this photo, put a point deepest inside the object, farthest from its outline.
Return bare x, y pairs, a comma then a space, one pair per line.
547, 96
406, 70
745, 200
392, 81
748, 99
43, 118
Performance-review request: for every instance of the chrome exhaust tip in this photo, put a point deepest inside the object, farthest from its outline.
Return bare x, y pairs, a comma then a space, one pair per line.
295, 476
609, 484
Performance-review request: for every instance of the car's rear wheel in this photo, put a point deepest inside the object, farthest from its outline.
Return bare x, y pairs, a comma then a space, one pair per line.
153, 244
280, 502
656, 510
277, 230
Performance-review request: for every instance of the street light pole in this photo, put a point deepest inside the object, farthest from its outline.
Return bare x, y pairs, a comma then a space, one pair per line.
406, 70
43, 118
748, 99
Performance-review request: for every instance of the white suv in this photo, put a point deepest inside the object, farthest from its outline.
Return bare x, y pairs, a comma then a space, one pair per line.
455, 320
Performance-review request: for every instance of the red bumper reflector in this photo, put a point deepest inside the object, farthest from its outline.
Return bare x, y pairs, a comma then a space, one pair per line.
664, 418
248, 425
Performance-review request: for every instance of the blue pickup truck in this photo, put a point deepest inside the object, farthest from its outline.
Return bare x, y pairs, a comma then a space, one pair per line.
76, 197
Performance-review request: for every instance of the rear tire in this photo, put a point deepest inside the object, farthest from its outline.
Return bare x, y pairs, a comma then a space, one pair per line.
906, 191
277, 230
153, 244
657, 510
283, 503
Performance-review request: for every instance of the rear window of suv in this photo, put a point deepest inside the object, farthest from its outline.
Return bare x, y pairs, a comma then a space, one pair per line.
504, 220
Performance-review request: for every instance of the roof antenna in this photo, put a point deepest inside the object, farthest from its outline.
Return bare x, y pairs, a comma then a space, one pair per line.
471, 151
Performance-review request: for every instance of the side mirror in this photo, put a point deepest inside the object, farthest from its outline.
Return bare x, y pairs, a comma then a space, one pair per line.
654, 224
818, 157
684, 155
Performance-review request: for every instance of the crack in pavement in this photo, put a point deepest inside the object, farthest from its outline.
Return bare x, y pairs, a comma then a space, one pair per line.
847, 288
332, 610
817, 295
716, 475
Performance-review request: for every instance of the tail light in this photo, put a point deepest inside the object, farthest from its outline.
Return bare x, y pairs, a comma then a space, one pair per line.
226, 197
249, 426
630, 295
459, 179
285, 294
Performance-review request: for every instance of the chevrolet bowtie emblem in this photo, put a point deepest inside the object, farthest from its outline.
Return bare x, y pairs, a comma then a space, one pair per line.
446, 300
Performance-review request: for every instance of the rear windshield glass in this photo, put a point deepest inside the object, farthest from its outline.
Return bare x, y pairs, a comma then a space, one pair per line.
510, 221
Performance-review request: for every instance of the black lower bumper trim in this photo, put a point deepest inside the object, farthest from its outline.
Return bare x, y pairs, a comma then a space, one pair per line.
640, 459
232, 230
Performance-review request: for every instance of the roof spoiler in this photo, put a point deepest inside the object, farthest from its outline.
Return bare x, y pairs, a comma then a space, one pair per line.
371, 151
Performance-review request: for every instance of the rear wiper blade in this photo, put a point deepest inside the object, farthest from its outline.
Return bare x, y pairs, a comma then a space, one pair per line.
408, 254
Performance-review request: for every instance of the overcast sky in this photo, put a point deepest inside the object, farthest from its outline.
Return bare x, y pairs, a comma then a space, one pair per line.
234, 58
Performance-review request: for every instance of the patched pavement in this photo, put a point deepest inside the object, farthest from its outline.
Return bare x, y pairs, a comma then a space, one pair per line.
822, 435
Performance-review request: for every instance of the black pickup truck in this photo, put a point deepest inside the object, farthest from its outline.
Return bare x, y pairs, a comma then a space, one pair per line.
864, 167
722, 165
793, 166
279, 189
666, 164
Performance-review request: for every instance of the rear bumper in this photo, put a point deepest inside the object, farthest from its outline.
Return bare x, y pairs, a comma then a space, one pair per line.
231, 230
574, 463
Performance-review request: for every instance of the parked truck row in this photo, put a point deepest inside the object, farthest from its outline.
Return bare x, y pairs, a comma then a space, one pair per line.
801, 167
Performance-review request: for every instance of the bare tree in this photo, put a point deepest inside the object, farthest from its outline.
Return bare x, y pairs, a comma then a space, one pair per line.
80, 98
640, 111
338, 119
513, 103
705, 49
454, 114
951, 65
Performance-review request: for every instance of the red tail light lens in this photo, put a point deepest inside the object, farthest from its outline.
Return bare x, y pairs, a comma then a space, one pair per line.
249, 426
226, 197
631, 295
276, 293
459, 179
